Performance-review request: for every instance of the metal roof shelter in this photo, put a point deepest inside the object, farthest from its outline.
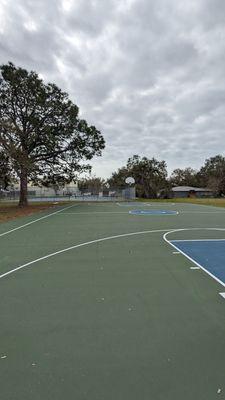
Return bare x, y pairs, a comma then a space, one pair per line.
189, 188
190, 191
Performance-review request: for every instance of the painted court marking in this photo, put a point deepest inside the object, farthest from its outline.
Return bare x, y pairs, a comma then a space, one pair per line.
202, 212
36, 220
153, 212
131, 204
199, 240
187, 256
94, 212
79, 245
120, 236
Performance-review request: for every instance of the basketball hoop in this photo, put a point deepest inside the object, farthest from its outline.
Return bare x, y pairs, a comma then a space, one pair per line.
130, 180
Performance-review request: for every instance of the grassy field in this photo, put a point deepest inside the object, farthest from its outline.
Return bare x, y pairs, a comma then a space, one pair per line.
11, 210
206, 202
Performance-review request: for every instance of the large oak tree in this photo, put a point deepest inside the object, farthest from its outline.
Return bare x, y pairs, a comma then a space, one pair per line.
40, 129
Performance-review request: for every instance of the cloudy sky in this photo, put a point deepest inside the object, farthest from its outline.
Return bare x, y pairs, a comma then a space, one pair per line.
149, 74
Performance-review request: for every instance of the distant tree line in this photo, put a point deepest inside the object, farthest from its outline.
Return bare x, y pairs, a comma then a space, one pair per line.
151, 177
211, 175
43, 141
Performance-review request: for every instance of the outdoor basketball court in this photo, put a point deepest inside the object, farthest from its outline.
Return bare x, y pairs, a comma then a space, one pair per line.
111, 301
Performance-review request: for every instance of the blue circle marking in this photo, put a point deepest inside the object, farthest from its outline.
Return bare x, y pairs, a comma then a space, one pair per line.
128, 204
153, 212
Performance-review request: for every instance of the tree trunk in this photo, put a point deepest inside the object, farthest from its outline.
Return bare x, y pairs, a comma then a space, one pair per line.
23, 202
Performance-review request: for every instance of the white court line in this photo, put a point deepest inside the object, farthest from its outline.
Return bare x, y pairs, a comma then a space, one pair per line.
116, 237
197, 240
189, 258
139, 203
134, 204
195, 267
160, 204
96, 212
148, 204
155, 213
36, 220
202, 212
116, 212
80, 245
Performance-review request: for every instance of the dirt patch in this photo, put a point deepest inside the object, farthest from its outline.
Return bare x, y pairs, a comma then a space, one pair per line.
12, 211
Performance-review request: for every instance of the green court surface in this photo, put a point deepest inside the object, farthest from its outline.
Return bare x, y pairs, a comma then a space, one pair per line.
95, 303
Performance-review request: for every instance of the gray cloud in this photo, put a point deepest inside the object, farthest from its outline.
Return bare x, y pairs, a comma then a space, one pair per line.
148, 74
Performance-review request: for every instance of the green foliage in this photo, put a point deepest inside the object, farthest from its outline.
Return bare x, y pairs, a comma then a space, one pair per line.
213, 174
40, 129
92, 184
118, 178
185, 177
6, 172
210, 175
149, 174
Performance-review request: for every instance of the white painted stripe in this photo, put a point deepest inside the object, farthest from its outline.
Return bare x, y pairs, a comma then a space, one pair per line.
79, 245
154, 204
160, 204
95, 212
189, 258
154, 213
132, 204
36, 220
139, 203
222, 294
197, 240
176, 252
202, 212
194, 268
115, 237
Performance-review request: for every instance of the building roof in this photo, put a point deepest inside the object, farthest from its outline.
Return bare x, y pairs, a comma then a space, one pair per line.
189, 188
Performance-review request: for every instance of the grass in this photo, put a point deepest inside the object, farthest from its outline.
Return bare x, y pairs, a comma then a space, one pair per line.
9, 210
206, 201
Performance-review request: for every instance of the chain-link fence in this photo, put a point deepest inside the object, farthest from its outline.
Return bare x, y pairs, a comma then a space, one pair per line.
110, 194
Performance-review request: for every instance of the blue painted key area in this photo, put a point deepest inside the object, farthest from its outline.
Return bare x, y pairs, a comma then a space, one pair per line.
153, 212
209, 254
